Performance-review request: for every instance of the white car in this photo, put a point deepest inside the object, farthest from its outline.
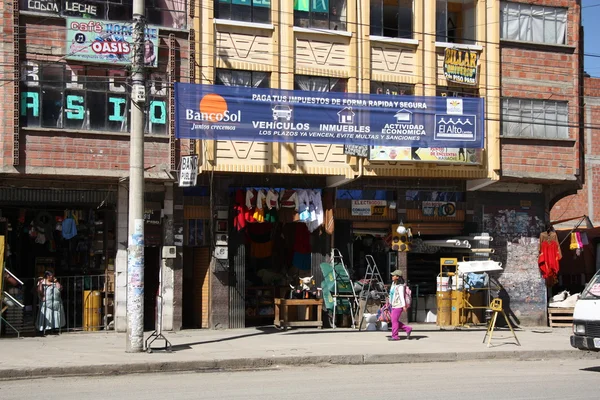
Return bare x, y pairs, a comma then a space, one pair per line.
586, 317
282, 111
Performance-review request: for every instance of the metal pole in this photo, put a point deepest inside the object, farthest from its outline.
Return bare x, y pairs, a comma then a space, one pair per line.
135, 249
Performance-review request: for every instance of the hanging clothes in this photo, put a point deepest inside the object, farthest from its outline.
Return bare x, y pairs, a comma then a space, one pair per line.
259, 210
316, 211
328, 207
239, 210
549, 257
574, 245
69, 228
272, 200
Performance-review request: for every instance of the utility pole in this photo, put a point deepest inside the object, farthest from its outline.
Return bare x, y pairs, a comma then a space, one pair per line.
135, 248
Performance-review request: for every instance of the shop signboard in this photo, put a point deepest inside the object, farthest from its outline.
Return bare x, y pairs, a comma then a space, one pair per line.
369, 208
188, 171
439, 209
96, 40
460, 66
437, 154
271, 115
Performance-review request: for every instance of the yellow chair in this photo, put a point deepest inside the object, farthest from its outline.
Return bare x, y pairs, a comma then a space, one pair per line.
496, 307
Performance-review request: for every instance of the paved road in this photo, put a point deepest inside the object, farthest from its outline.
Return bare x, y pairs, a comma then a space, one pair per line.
485, 380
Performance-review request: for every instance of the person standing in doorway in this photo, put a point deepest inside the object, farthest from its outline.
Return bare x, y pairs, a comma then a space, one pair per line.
398, 303
51, 315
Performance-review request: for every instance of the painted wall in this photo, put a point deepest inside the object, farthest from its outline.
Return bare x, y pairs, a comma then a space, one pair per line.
515, 221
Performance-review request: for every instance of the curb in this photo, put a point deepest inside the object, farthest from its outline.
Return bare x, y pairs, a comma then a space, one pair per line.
266, 363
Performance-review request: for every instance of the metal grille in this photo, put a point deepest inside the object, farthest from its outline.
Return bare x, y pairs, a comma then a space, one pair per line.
24, 195
17, 80
592, 328
237, 287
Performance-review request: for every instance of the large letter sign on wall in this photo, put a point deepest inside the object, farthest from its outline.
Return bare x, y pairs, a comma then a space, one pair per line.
272, 115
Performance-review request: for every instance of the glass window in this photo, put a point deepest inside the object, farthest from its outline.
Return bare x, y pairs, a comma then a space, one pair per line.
456, 91
244, 10
531, 23
87, 98
394, 89
320, 83
456, 21
234, 77
392, 18
320, 14
543, 119
167, 13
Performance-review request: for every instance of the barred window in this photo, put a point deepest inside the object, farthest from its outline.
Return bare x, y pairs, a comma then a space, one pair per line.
542, 119
531, 23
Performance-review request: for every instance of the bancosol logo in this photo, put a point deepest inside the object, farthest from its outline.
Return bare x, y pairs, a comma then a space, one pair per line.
213, 108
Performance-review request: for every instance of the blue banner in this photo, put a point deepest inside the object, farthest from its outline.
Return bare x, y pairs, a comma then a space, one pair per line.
273, 115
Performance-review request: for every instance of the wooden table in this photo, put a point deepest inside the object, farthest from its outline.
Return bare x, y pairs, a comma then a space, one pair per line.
284, 320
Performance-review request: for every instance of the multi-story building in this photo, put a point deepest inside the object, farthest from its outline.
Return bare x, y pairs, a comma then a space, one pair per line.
68, 129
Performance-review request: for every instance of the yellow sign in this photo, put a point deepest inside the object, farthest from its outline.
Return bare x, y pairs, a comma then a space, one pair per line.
460, 66
369, 208
452, 155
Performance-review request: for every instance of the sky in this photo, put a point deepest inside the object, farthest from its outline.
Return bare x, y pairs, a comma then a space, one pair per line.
590, 13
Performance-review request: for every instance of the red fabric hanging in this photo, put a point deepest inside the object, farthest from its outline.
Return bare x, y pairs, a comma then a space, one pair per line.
549, 260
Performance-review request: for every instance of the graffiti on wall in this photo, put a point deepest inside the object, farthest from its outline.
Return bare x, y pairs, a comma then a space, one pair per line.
512, 224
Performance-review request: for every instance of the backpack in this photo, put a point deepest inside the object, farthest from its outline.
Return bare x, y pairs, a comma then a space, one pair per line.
407, 296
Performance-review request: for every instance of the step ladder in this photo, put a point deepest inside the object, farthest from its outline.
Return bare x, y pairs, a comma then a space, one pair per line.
340, 286
373, 288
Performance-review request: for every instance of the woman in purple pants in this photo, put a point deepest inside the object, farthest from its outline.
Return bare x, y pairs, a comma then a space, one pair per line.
398, 305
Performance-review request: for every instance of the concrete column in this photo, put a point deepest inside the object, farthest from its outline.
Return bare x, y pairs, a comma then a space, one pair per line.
167, 264
121, 260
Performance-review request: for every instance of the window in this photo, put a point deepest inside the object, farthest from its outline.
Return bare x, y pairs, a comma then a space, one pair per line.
91, 98
529, 23
392, 18
542, 119
232, 77
445, 91
320, 84
167, 13
320, 14
244, 10
455, 21
394, 89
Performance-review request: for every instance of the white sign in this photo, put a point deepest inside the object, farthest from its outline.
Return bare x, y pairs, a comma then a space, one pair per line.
368, 208
188, 172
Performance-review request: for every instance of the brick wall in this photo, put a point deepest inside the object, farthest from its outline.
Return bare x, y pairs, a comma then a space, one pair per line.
6, 83
551, 73
587, 200
77, 152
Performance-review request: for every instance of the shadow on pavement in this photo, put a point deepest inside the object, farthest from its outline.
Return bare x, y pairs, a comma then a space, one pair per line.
591, 369
259, 331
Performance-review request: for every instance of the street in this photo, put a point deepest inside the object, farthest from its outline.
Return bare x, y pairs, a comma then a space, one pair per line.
486, 380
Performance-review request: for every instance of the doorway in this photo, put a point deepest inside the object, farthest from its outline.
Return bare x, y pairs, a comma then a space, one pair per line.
151, 283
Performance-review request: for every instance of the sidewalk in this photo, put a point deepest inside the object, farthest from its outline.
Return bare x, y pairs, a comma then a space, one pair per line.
103, 353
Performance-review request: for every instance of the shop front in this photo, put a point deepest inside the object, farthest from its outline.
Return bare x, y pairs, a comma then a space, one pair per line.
277, 235
71, 235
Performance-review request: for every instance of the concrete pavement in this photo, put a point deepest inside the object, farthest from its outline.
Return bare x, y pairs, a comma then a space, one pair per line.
103, 353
